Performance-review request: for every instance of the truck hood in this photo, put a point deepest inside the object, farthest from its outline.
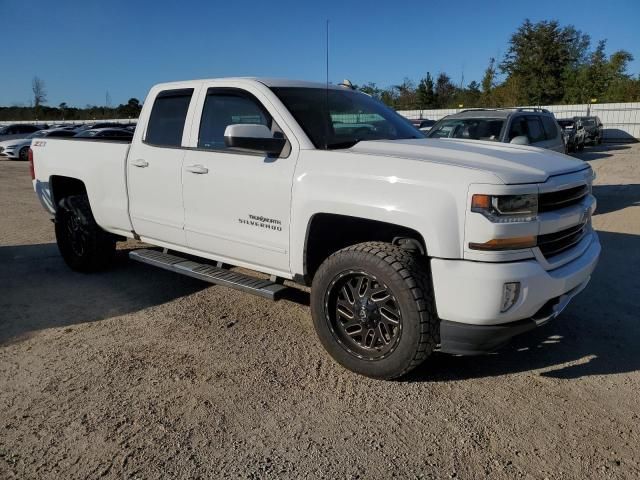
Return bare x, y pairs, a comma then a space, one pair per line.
510, 163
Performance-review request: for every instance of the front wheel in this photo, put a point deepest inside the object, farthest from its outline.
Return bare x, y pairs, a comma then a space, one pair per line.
373, 310
84, 246
23, 154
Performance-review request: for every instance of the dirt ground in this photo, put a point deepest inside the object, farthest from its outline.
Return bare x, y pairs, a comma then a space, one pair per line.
141, 373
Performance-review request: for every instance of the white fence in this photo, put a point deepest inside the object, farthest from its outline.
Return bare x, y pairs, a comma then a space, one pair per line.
621, 121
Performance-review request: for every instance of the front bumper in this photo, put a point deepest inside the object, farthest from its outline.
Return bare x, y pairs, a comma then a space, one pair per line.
9, 153
467, 339
468, 297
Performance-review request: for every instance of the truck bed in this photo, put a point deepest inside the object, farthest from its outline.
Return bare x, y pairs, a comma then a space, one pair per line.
100, 163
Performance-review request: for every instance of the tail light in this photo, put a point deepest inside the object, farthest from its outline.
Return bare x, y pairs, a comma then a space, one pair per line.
32, 169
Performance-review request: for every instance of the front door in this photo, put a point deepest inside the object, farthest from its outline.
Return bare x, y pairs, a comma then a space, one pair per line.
237, 204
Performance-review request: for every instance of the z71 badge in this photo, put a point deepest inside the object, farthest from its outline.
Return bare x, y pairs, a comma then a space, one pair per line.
262, 222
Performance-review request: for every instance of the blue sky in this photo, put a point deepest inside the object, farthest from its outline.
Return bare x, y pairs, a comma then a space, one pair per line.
82, 49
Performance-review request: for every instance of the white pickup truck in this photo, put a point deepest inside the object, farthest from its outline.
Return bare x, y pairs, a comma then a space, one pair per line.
409, 245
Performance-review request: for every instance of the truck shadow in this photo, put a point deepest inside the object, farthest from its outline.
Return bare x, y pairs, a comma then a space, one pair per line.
598, 334
597, 152
39, 291
616, 197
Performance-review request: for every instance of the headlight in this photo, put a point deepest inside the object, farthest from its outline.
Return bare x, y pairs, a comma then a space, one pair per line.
12, 146
506, 208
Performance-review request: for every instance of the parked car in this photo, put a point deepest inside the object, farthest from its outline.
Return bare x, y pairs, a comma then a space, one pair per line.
106, 133
520, 126
407, 243
574, 134
18, 148
18, 130
426, 125
93, 126
593, 129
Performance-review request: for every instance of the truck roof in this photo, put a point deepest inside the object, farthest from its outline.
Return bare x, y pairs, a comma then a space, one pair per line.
269, 82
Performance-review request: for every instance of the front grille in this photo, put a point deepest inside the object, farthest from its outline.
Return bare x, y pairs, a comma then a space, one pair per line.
548, 202
557, 242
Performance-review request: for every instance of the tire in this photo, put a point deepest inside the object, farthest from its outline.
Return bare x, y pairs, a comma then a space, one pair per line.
84, 246
581, 147
394, 319
23, 154
599, 141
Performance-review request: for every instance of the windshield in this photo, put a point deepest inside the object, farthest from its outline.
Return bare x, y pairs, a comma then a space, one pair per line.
353, 116
589, 122
471, 128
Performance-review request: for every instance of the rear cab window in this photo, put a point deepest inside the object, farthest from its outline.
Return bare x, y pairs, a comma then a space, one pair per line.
168, 116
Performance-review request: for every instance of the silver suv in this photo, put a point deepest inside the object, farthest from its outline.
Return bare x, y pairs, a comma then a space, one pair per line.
522, 126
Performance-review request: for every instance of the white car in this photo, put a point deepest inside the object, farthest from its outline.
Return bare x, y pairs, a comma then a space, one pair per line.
409, 244
18, 148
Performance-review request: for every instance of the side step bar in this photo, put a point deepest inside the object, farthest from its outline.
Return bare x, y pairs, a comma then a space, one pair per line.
209, 273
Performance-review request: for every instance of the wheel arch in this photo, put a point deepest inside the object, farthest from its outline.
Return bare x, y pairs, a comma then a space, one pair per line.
62, 186
321, 239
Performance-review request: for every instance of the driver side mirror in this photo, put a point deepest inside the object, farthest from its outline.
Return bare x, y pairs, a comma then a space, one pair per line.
520, 140
254, 138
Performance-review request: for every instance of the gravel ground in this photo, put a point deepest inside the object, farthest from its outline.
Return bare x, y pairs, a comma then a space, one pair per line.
140, 373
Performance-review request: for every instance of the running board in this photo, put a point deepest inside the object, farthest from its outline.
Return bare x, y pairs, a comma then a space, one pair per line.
209, 273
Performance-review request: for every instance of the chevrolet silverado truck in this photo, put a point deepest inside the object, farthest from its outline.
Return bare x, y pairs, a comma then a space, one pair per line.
409, 245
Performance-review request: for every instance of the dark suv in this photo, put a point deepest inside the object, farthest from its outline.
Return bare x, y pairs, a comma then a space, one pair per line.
574, 134
592, 129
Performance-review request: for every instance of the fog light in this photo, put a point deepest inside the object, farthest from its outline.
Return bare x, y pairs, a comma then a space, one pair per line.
510, 294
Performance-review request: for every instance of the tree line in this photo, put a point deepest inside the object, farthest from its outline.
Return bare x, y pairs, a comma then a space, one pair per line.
40, 112
545, 64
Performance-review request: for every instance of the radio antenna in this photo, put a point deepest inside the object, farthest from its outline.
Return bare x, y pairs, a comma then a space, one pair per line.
327, 114
327, 52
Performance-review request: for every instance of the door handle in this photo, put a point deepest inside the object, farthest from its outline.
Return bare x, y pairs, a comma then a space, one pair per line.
196, 169
140, 163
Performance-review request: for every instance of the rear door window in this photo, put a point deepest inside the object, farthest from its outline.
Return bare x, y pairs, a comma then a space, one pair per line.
534, 129
518, 128
550, 128
168, 116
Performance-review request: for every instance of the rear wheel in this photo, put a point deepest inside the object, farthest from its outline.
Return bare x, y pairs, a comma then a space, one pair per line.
373, 310
581, 146
84, 246
23, 154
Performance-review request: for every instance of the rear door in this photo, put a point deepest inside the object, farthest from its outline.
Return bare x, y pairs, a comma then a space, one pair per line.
237, 204
154, 168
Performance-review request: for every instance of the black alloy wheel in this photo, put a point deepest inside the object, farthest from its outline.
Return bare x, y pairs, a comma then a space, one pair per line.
363, 315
